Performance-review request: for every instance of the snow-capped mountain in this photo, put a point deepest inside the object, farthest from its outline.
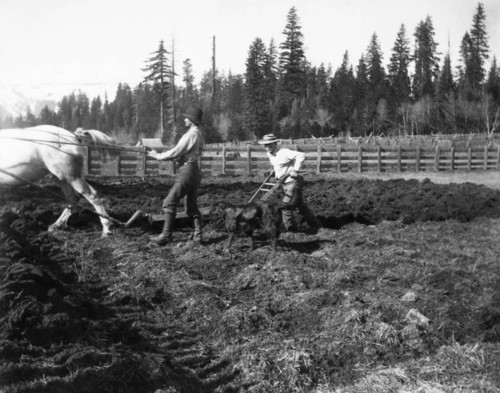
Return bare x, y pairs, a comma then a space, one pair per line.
16, 99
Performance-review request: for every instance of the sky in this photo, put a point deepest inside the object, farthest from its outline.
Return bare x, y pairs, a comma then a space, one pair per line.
85, 42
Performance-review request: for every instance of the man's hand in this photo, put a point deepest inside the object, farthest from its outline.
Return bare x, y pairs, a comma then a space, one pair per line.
293, 173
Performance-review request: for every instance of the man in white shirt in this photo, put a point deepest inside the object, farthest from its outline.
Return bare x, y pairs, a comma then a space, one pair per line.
288, 162
188, 177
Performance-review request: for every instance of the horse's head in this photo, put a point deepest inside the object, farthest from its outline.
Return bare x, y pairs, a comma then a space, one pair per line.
107, 146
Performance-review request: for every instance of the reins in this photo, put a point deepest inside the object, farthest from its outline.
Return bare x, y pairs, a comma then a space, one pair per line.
49, 143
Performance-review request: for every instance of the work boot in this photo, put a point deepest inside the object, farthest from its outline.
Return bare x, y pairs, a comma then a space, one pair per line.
288, 220
196, 235
166, 233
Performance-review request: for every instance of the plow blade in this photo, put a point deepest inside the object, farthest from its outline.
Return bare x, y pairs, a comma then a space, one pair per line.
134, 217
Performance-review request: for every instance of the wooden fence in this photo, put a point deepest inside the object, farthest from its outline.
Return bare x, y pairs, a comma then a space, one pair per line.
443, 140
321, 158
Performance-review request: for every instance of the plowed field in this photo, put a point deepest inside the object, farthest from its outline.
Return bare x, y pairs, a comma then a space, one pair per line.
400, 291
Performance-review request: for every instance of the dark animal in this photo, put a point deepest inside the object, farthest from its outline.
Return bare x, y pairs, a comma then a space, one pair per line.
247, 218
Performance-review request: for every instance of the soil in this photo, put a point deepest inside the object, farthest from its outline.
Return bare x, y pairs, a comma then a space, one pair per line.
399, 291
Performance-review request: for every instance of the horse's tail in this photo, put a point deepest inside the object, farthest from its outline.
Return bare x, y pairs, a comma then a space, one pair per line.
106, 145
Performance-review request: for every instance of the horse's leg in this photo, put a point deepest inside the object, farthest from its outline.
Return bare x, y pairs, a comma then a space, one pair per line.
84, 188
72, 198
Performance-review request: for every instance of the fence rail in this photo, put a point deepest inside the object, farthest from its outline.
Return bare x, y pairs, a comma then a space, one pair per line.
321, 158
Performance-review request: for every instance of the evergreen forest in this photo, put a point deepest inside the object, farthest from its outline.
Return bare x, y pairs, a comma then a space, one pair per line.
418, 91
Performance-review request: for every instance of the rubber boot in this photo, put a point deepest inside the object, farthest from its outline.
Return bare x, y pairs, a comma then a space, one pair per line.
197, 231
166, 233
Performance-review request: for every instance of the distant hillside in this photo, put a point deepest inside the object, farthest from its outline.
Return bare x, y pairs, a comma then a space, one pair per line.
16, 99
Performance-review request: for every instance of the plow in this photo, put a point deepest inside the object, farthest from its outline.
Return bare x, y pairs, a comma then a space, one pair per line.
263, 193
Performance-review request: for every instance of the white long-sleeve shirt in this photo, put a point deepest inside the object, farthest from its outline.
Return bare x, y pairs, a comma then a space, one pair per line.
189, 146
284, 160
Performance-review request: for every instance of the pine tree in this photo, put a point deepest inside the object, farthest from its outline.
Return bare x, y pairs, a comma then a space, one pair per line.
65, 110
446, 84
123, 109
361, 92
292, 84
341, 97
480, 48
189, 94
492, 86
232, 107
210, 101
29, 119
271, 72
96, 114
398, 69
424, 112
492, 99
446, 97
374, 64
324, 76
145, 114
74, 111
158, 72
465, 69
474, 51
318, 88
81, 115
256, 112
48, 116
426, 60
107, 123
377, 82
19, 122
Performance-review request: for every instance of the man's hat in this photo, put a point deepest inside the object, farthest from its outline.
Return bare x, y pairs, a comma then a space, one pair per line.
267, 139
194, 114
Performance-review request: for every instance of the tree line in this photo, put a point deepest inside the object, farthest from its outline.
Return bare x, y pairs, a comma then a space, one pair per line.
282, 92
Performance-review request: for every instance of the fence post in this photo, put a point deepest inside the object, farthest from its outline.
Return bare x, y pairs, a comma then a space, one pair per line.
469, 157
452, 158
360, 158
118, 164
339, 158
249, 159
417, 159
436, 158
224, 160
379, 158
86, 161
399, 158
144, 161
485, 156
318, 161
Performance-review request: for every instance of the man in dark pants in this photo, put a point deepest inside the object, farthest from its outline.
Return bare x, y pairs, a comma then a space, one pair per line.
288, 162
187, 151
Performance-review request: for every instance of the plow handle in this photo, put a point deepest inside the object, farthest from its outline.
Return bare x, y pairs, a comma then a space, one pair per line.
260, 188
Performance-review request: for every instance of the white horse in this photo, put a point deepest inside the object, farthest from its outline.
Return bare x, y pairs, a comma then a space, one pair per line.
26, 155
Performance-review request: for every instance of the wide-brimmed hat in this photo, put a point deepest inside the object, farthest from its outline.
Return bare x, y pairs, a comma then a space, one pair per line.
194, 114
267, 139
